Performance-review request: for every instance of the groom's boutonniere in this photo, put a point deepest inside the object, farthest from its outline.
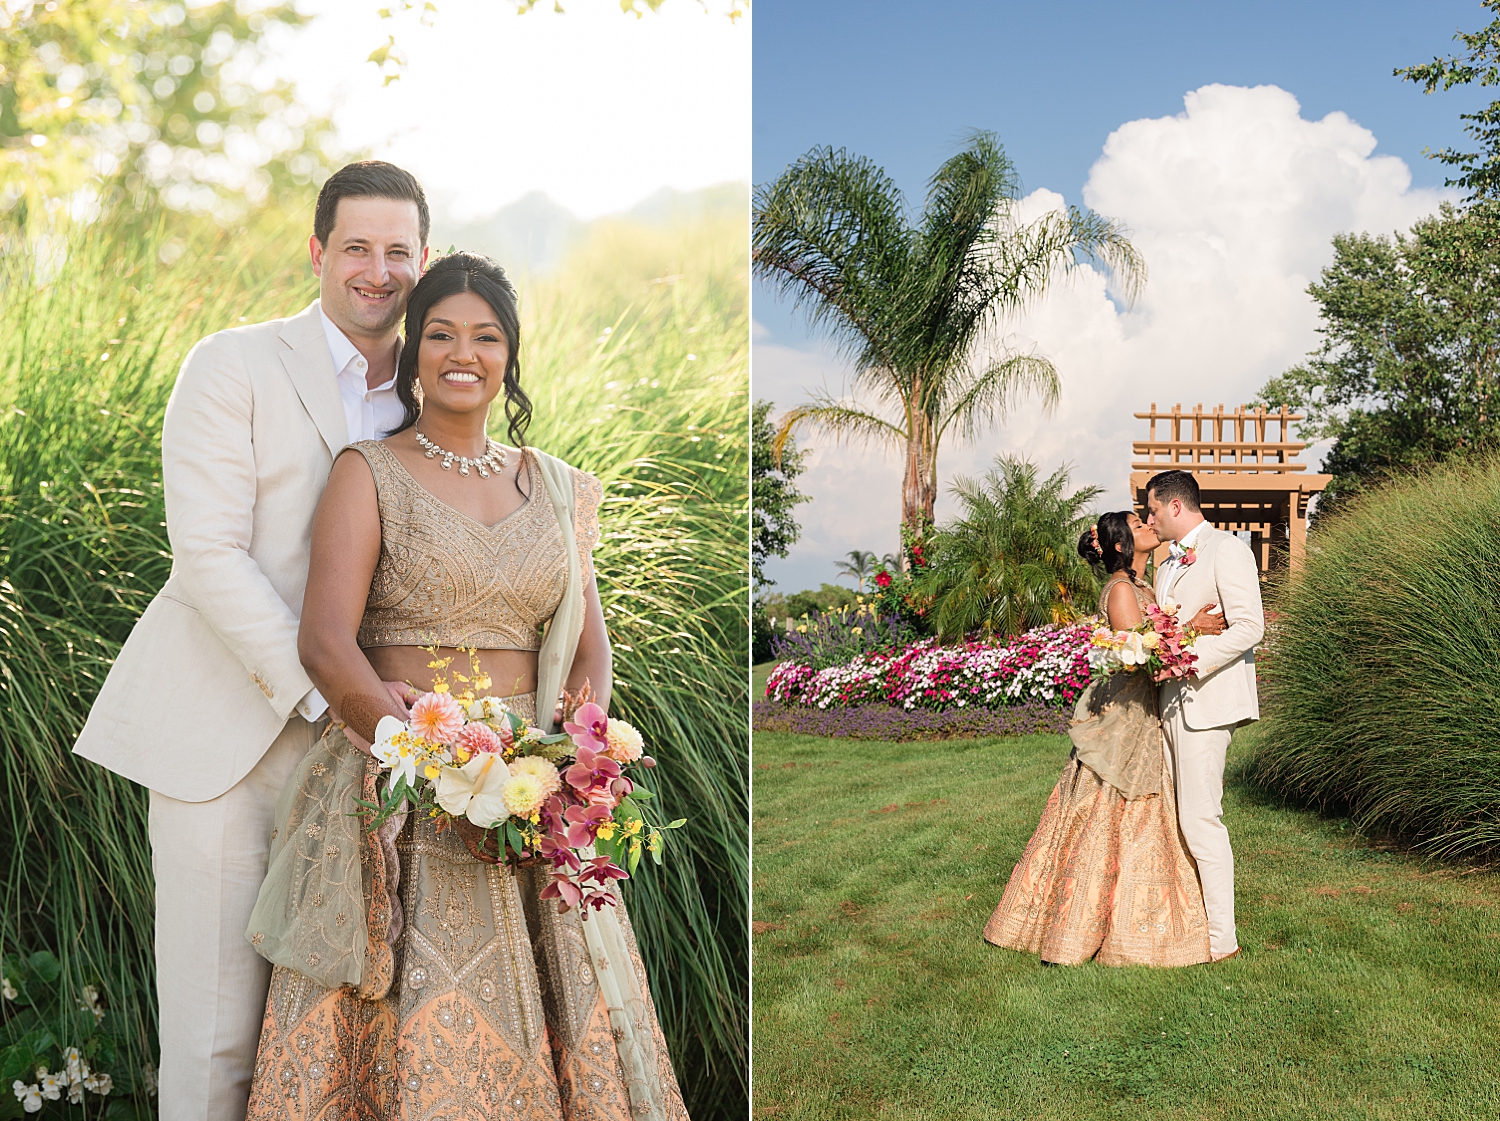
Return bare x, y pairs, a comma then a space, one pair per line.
1189, 556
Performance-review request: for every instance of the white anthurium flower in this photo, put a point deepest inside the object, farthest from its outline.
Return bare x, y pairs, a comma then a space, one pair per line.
397, 749
1133, 652
474, 790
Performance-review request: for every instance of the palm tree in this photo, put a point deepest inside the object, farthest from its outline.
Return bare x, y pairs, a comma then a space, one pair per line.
913, 305
1010, 562
860, 565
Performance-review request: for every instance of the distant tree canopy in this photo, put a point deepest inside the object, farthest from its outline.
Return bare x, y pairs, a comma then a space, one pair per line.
1478, 171
106, 101
774, 494
1406, 374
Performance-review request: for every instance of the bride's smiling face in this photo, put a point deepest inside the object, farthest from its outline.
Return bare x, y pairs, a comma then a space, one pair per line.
462, 356
1145, 537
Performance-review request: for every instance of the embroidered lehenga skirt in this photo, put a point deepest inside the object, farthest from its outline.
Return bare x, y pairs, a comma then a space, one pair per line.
1105, 877
490, 1006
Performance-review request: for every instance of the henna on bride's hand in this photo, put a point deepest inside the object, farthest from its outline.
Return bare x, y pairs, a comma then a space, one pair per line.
362, 712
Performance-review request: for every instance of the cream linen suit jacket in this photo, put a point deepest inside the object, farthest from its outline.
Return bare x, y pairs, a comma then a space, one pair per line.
1223, 694
210, 674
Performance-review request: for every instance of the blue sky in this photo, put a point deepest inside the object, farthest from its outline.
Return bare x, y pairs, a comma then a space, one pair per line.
903, 83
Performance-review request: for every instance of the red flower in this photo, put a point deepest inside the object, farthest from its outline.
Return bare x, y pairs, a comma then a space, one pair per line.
882, 579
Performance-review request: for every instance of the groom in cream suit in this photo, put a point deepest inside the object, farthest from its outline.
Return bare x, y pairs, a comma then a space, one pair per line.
208, 704
1207, 567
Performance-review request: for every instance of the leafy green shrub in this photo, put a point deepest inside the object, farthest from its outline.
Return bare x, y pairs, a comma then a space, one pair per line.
1381, 681
60, 1053
1010, 561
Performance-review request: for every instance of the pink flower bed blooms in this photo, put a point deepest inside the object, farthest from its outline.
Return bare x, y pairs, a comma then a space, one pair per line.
1048, 665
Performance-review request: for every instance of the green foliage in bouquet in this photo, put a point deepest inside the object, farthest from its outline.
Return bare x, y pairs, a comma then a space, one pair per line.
1381, 673
641, 383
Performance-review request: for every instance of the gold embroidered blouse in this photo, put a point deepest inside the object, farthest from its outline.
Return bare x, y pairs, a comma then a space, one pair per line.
445, 579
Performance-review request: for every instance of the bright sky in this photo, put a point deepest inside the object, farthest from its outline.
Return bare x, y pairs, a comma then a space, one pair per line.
1233, 139
594, 107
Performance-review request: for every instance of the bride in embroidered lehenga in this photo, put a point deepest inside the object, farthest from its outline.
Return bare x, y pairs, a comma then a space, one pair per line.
414, 979
1106, 875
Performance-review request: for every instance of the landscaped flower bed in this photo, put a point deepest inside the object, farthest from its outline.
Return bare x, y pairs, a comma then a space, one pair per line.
1046, 666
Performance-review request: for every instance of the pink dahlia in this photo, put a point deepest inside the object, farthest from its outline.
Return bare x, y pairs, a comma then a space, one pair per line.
477, 737
437, 717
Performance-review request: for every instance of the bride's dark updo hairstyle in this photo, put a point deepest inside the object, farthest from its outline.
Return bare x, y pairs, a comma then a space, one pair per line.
1115, 549
448, 276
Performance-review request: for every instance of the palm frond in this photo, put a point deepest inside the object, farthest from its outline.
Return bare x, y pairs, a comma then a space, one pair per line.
840, 420
1029, 257
830, 233
990, 396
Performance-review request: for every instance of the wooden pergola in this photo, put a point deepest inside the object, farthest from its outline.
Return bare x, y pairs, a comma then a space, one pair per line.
1248, 480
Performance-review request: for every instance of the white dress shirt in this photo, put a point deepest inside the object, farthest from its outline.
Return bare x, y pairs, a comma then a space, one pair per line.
1171, 568
371, 414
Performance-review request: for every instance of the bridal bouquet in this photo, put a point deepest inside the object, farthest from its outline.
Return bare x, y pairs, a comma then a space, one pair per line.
1158, 644
563, 797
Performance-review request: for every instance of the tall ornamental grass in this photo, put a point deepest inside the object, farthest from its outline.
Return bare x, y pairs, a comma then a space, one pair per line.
636, 357
1381, 683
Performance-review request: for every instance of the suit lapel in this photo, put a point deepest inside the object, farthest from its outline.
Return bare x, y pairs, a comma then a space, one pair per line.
1203, 551
310, 367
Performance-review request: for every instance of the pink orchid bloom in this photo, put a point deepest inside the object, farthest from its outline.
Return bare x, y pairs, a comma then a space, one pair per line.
584, 824
567, 893
589, 731
598, 900
602, 870
592, 770
560, 854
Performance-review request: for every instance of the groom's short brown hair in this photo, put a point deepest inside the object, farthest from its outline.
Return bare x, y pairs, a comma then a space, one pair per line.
1180, 485
368, 179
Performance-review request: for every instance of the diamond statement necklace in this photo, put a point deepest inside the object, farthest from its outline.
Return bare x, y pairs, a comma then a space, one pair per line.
493, 458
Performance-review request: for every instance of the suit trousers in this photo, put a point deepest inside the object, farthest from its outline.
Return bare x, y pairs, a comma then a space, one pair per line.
209, 859
1198, 774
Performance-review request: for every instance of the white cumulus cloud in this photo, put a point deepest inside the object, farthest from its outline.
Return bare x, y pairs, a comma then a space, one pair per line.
1233, 203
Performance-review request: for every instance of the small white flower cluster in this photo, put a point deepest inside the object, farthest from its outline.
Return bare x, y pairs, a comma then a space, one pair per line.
90, 1003
8, 988
75, 1079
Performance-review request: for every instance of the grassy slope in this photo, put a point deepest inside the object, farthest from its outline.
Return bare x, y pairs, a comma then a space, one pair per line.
1367, 989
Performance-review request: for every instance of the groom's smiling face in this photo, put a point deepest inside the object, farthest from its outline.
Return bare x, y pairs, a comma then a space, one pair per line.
371, 263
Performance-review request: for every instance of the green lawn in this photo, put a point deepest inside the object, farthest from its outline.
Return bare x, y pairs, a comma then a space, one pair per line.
1367, 988
758, 675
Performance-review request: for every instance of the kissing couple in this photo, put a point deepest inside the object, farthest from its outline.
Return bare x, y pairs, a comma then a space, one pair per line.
1131, 864
320, 550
